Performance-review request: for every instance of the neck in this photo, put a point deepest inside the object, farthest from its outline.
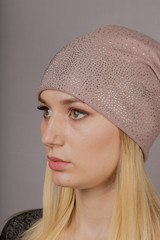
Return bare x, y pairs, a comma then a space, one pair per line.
93, 213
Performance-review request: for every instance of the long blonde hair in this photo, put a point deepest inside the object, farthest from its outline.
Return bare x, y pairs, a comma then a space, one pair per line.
136, 214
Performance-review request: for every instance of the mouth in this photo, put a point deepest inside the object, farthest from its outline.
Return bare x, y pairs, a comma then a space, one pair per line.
57, 164
54, 159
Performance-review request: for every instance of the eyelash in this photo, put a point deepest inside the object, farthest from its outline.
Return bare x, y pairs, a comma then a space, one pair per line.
43, 108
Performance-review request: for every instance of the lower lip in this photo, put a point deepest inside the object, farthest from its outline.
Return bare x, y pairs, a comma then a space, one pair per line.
58, 165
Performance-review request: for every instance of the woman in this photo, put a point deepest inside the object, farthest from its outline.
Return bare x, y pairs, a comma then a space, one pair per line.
100, 98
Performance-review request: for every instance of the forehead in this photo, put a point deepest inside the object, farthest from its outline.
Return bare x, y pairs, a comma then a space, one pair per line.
64, 98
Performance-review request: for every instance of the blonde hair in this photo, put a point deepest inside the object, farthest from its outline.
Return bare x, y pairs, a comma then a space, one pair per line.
137, 208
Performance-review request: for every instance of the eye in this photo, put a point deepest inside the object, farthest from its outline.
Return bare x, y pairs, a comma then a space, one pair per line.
76, 113
47, 111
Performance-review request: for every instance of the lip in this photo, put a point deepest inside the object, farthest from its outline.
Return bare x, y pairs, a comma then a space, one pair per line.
52, 158
57, 164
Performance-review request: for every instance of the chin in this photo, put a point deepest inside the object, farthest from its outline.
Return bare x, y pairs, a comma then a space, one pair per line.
64, 179
60, 179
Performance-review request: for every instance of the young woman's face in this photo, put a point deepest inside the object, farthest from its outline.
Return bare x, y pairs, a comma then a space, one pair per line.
87, 142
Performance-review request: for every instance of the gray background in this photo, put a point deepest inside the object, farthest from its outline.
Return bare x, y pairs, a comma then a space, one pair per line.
31, 32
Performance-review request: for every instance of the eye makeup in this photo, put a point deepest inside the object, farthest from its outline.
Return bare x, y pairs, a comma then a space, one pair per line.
47, 113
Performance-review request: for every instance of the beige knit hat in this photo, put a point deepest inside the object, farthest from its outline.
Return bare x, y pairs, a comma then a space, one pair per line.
116, 71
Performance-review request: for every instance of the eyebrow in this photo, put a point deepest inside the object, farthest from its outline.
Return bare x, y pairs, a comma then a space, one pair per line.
63, 102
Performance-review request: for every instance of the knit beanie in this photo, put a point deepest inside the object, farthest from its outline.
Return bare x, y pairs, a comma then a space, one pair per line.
116, 71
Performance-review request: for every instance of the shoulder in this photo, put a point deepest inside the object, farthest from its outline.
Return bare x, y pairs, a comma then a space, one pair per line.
19, 223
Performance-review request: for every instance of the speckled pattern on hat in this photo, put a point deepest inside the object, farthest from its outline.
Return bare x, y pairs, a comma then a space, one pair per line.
116, 71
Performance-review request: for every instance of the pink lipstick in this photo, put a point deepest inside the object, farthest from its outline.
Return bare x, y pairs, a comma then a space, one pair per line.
57, 164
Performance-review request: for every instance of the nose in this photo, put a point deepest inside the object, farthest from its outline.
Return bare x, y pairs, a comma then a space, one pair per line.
52, 131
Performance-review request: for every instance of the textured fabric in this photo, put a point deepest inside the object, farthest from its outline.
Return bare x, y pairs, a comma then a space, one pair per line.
116, 71
19, 224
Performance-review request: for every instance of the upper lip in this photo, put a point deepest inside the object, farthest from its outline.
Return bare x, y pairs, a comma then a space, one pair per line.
55, 159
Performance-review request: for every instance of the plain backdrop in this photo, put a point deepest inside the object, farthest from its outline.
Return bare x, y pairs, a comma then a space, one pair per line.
31, 32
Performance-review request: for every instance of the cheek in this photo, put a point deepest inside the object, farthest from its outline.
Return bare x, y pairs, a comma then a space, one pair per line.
96, 159
105, 155
99, 149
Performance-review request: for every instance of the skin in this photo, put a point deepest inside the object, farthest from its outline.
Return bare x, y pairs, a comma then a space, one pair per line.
91, 144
